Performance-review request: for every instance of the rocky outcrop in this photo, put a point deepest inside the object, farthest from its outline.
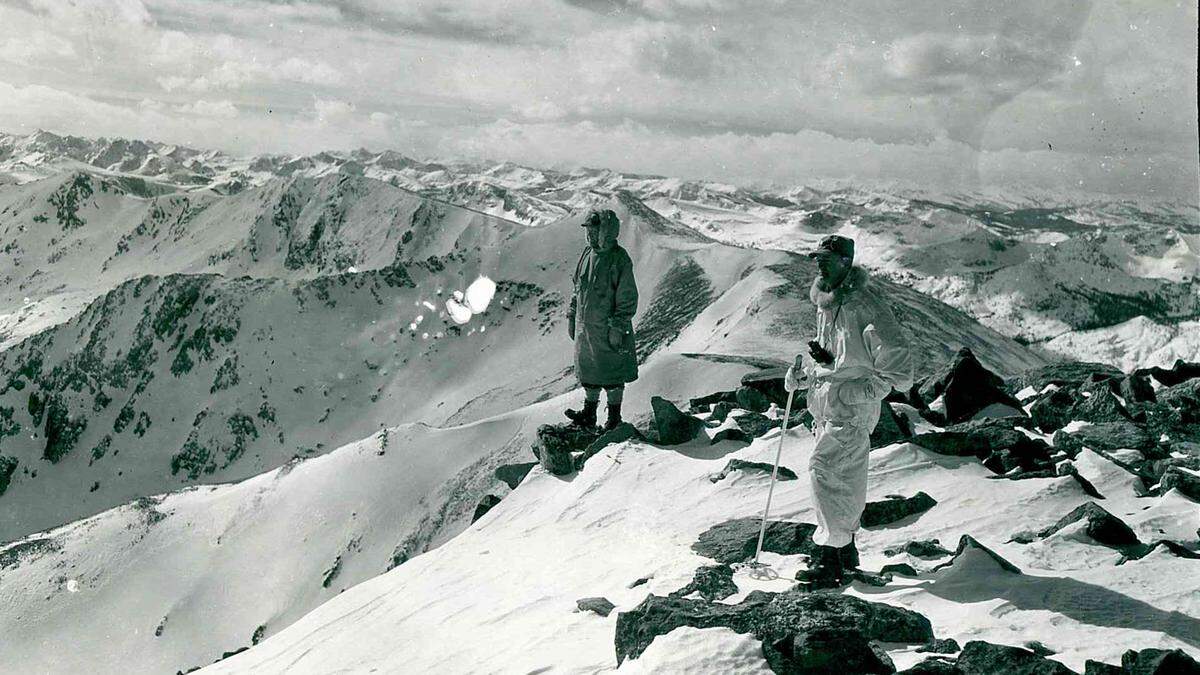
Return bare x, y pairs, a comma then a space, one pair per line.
896, 508
711, 582
1052, 410
484, 506
1105, 436
755, 424
1181, 372
1147, 662
969, 547
735, 541
556, 442
832, 651
924, 548
1070, 373
731, 434
1180, 478
512, 474
703, 403
984, 658
791, 625
732, 465
770, 382
749, 398
672, 426
599, 606
1102, 526
892, 427
966, 388
618, 434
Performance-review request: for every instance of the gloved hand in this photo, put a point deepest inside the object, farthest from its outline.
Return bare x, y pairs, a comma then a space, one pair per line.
615, 337
790, 383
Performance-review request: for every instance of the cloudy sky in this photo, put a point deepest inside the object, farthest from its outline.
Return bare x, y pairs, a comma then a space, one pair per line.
1059, 94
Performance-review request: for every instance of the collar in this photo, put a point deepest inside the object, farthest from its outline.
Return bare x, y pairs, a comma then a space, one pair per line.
855, 281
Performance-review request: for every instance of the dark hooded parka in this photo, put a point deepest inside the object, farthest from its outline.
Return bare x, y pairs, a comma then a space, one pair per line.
602, 307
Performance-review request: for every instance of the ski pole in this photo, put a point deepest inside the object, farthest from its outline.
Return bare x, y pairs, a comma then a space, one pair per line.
762, 530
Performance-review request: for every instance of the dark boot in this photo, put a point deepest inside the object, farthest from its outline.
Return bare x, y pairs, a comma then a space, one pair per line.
849, 556
824, 568
584, 418
614, 416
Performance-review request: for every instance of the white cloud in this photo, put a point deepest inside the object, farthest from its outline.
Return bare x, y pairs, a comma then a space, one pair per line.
202, 108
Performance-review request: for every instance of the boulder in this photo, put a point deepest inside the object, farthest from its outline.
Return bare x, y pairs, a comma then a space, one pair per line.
1091, 667
966, 387
1101, 406
892, 427
673, 426
484, 506
1052, 410
969, 546
1136, 388
755, 424
749, 398
556, 442
1159, 662
932, 666
770, 383
891, 510
712, 582
828, 651
1180, 478
600, 606
731, 434
777, 619
735, 541
955, 444
702, 403
1184, 397
1105, 436
903, 569
946, 646
721, 410
732, 465
1102, 526
618, 434
1181, 372
1173, 547
512, 474
984, 658
1064, 374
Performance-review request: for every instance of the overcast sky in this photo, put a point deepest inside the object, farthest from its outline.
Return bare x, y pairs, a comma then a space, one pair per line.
1059, 94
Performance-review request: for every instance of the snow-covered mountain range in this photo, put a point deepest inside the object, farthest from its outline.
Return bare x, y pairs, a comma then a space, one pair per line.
231, 390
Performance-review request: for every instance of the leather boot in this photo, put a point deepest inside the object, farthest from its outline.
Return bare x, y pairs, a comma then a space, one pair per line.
849, 556
585, 417
614, 416
824, 568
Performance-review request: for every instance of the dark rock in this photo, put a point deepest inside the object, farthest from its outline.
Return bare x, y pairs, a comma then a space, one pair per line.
829, 651
639, 582
1101, 406
721, 411
556, 442
891, 510
513, 474
731, 434
1039, 648
600, 606
618, 434
1052, 410
945, 646
1184, 397
934, 417
925, 548
1181, 372
1136, 388
755, 424
8, 466
913, 395
966, 387
749, 398
485, 505
967, 546
703, 402
1102, 526
1143, 550
1006, 447
955, 444
1066, 468
933, 666
732, 465
1091, 667
903, 569
1065, 374
770, 383
774, 618
1104, 436
892, 427
984, 658
735, 541
1159, 662
1178, 478
673, 426
712, 582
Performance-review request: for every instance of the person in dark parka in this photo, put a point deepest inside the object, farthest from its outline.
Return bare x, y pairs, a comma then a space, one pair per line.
600, 320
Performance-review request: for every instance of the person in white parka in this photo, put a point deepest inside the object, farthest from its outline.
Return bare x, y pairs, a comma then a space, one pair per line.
859, 355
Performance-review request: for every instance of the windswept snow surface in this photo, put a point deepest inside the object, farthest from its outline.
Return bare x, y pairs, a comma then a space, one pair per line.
500, 598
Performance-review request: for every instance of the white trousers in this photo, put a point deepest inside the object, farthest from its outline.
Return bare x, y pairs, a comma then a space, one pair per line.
837, 473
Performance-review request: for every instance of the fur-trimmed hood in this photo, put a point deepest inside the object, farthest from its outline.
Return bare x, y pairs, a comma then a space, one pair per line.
856, 280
